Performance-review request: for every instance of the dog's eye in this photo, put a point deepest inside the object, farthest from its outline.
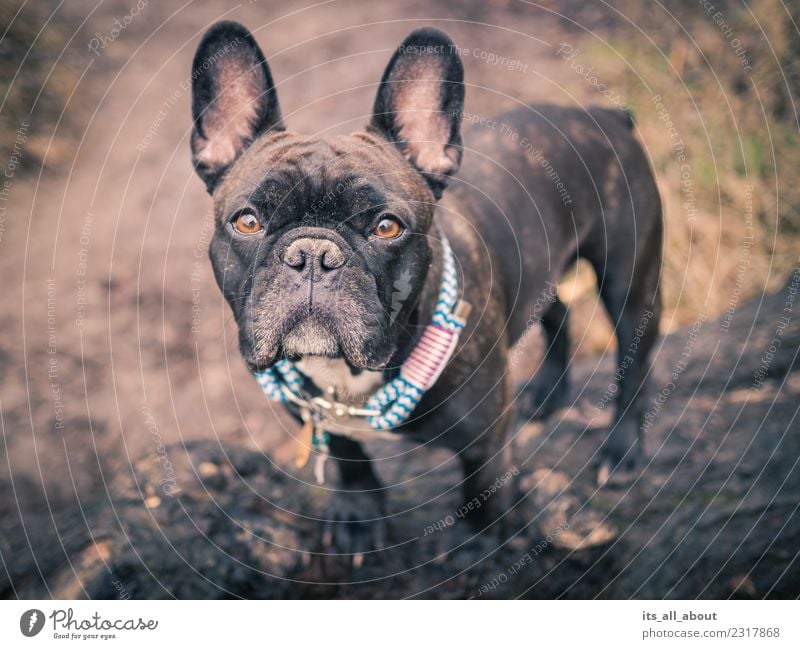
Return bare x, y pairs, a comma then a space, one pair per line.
388, 229
247, 223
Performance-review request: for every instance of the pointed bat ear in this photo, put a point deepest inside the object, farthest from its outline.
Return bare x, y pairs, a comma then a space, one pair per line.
420, 102
233, 99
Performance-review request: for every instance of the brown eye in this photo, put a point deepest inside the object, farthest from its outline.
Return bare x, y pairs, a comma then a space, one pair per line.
388, 229
247, 223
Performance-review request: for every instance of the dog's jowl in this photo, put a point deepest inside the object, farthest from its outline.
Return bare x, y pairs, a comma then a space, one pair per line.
379, 279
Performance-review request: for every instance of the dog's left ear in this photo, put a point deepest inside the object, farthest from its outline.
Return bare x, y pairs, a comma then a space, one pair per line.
419, 105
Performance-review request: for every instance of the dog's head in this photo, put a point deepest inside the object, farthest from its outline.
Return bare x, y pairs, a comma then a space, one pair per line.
321, 243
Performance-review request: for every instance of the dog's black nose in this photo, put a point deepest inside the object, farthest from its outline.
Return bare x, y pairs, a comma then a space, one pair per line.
323, 253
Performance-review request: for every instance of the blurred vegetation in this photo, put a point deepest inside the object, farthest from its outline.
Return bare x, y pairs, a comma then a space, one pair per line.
730, 79
39, 70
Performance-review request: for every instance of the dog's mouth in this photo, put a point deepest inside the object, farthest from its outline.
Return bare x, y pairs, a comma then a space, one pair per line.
317, 332
311, 336
286, 320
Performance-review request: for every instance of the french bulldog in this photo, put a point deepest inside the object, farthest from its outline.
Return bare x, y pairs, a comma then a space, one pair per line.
329, 251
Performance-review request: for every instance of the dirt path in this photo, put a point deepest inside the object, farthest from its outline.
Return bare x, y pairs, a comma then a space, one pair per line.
118, 347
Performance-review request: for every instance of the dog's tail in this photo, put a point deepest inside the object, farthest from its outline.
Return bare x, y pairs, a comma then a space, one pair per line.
621, 116
627, 117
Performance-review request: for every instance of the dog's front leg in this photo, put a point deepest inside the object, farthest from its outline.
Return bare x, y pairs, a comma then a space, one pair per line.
355, 520
488, 477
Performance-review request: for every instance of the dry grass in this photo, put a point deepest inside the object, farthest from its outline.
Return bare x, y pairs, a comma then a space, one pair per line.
40, 71
739, 124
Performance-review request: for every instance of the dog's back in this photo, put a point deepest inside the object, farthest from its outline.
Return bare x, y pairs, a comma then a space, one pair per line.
539, 187
542, 185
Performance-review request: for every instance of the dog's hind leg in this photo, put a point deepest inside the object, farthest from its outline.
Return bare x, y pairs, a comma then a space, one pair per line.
629, 289
547, 391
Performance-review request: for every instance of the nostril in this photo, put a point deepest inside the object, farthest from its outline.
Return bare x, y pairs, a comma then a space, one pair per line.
295, 254
294, 257
331, 258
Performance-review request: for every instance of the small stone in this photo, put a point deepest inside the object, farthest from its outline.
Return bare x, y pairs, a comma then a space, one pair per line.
742, 584
207, 469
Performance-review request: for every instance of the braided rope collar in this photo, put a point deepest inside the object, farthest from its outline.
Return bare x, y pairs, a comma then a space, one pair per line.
392, 404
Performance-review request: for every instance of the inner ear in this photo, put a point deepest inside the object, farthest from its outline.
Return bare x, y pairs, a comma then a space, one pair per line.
420, 102
233, 99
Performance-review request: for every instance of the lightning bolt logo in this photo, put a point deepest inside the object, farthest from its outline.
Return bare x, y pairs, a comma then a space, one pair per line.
402, 289
31, 622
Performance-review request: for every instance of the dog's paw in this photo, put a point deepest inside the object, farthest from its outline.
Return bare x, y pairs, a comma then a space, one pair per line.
354, 525
621, 456
542, 397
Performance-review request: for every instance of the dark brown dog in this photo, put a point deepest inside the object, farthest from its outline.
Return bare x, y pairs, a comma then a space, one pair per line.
329, 249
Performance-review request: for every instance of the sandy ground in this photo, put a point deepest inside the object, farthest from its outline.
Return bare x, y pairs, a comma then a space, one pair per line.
116, 340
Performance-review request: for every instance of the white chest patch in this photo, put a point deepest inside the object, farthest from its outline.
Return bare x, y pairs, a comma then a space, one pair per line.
338, 383
336, 380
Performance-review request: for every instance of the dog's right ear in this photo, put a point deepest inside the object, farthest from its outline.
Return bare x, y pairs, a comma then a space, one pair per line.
233, 99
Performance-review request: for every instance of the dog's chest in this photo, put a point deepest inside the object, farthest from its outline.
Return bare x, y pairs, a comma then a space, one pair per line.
335, 379
338, 384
